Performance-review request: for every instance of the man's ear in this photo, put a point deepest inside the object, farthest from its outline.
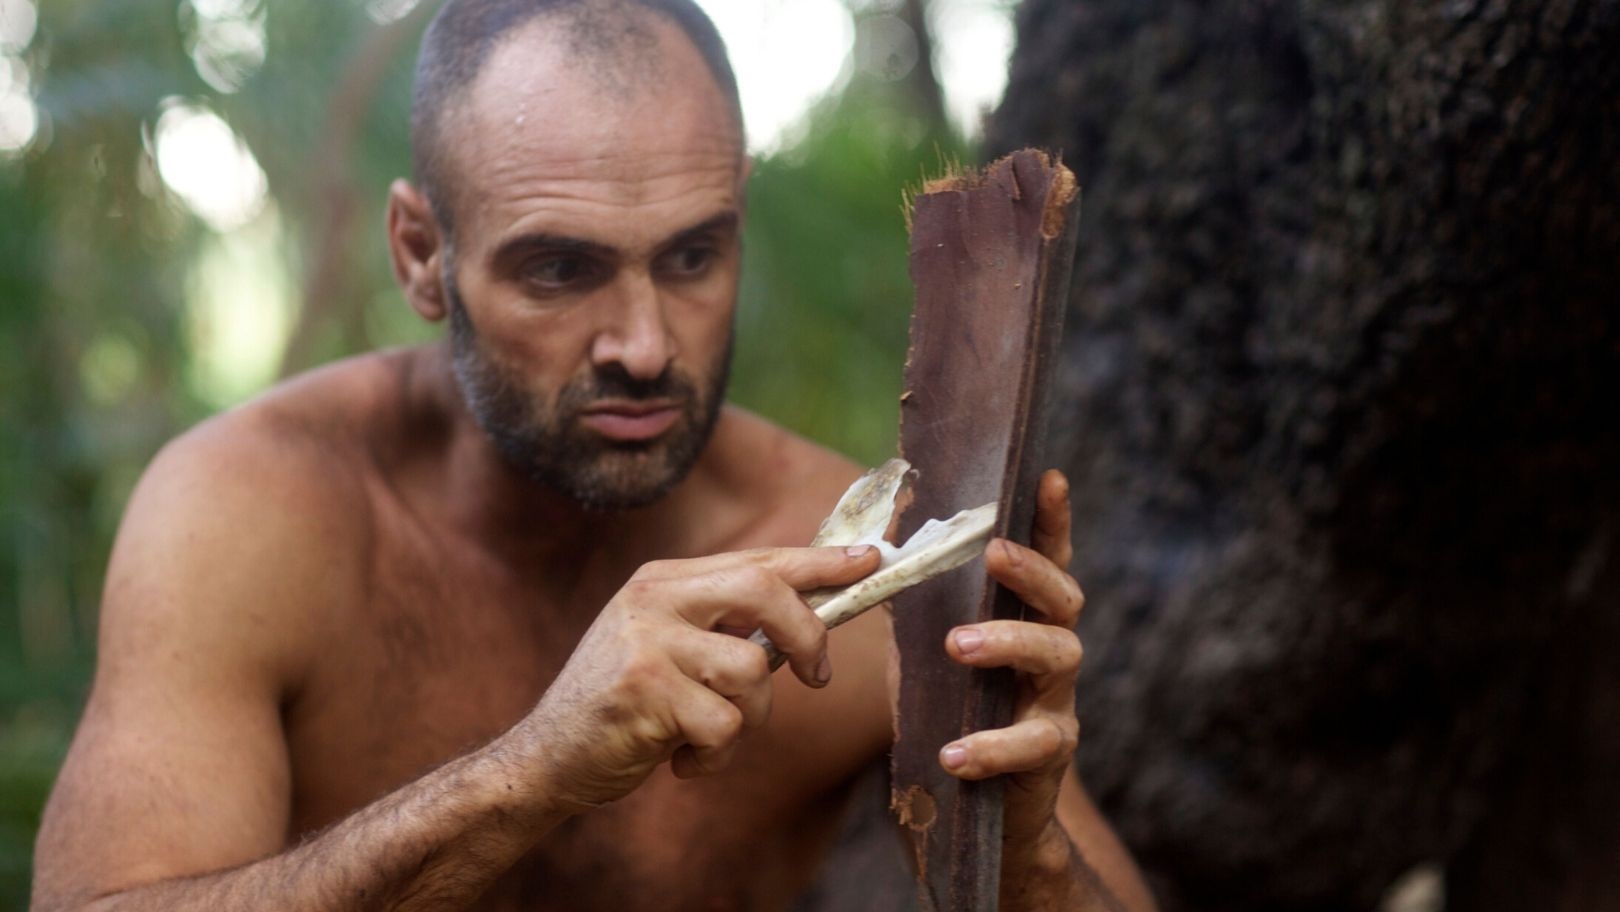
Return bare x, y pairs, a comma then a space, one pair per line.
417, 247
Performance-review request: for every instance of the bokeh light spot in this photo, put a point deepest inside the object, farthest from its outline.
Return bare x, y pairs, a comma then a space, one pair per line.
974, 41
886, 47
239, 310
18, 21
19, 119
787, 54
226, 40
208, 166
383, 12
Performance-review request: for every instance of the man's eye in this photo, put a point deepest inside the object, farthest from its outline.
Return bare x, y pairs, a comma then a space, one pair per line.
557, 272
691, 261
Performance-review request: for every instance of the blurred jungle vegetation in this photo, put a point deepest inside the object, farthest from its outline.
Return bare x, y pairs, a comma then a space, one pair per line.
136, 299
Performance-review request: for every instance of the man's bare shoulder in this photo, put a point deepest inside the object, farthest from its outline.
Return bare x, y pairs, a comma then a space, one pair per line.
261, 512
299, 449
792, 482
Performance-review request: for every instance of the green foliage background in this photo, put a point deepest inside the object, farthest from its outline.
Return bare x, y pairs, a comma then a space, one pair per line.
99, 367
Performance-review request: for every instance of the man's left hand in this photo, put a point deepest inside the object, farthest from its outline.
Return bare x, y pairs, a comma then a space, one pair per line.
1036, 749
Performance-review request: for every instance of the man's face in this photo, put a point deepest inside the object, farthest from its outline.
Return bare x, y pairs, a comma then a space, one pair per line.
593, 274
609, 440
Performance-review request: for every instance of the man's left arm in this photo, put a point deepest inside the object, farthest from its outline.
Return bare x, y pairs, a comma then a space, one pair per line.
1058, 852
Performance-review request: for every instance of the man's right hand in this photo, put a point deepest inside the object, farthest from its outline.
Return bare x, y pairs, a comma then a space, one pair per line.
660, 675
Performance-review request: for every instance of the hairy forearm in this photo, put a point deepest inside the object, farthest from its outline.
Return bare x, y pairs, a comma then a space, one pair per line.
1055, 877
437, 843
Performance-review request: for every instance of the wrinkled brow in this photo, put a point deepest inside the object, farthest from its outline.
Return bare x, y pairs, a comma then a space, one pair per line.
533, 242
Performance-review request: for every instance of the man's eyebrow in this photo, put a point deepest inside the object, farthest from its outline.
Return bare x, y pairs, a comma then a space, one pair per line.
551, 243
561, 243
725, 221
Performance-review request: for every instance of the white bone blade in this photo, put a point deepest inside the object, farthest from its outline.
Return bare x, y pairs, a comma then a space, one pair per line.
862, 517
934, 549
863, 514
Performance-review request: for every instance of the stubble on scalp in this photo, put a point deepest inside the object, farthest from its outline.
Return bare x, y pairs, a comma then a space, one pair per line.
618, 40
615, 41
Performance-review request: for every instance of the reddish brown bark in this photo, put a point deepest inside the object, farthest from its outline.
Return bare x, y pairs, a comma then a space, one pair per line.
990, 256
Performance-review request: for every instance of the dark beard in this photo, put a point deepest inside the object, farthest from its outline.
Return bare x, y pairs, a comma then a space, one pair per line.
553, 447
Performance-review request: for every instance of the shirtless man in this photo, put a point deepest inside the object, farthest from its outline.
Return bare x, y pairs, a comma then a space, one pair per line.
455, 627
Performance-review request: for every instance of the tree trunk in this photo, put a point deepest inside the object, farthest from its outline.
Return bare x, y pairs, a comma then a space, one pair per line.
927, 96
1344, 445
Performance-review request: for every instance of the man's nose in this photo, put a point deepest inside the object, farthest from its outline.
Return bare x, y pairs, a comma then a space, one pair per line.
636, 336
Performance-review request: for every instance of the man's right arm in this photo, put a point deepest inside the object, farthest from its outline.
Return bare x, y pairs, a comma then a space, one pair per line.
176, 792
227, 565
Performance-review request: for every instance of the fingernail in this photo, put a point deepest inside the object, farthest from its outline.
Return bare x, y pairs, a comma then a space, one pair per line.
953, 756
968, 639
858, 550
823, 670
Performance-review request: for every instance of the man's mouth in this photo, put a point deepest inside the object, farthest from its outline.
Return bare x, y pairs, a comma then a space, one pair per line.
631, 420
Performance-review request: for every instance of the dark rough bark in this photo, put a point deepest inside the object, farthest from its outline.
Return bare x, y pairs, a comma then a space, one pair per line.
1342, 426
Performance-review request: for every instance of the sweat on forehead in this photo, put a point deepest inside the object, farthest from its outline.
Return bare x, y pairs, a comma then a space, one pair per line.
617, 39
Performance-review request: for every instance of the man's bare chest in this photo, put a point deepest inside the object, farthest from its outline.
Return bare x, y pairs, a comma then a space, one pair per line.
446, 650
734, 842
442, 659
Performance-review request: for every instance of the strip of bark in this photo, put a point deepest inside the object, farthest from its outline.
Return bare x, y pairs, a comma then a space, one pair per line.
990, 258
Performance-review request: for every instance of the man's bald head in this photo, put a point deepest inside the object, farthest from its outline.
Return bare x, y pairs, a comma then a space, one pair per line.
612, 35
